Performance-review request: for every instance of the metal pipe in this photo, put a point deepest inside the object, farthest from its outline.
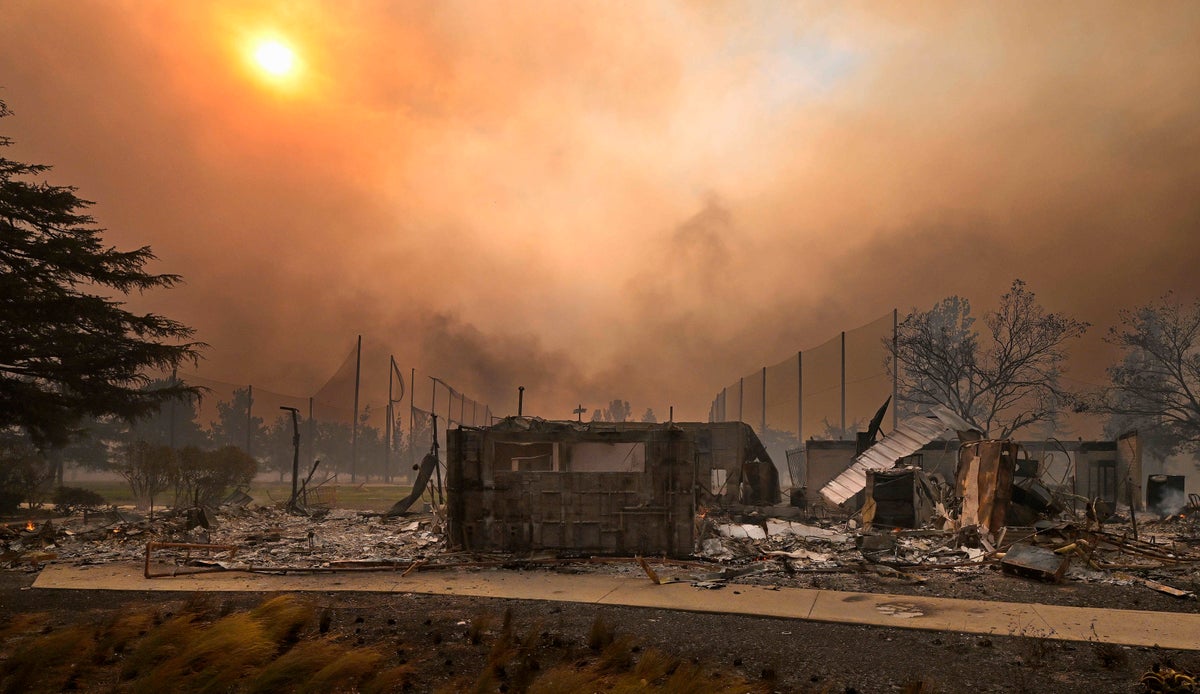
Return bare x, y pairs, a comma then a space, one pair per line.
295, 451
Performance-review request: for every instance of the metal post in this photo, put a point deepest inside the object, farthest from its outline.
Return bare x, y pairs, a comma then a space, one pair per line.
295, 451
895, 366
412, 399
741, 395
312, 431
800, 397
843, 383
249, 409
387, 428
354, 424
763, 431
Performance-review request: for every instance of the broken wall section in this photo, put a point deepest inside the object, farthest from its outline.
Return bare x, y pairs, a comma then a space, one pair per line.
598, 488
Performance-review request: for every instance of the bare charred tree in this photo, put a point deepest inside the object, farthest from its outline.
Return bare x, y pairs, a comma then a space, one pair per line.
1155, 388
148, 470
1002, 380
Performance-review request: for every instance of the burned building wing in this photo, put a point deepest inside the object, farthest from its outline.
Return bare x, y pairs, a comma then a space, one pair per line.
599, 488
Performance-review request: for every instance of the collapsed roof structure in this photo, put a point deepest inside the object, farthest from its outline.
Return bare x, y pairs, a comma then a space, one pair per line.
907, 438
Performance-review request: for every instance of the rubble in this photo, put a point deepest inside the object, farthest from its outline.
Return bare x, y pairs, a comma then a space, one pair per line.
988, 519
264, 537
270, 539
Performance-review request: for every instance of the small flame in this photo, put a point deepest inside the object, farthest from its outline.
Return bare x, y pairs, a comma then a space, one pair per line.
30, 526
116, 530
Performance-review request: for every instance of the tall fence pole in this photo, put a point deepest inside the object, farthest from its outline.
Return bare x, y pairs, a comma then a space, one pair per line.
354, 424
387, 429
412, 408
763, 431
249, 420
895, 366
843, 383
800, 397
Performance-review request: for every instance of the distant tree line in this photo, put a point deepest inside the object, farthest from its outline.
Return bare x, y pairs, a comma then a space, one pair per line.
620, 411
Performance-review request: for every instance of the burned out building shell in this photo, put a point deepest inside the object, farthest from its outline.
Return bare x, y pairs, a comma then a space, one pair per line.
529, 484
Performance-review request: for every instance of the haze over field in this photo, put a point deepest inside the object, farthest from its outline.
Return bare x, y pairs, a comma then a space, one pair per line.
599, 200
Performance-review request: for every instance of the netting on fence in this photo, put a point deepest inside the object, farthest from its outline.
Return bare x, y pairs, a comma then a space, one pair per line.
392, 431
826, 392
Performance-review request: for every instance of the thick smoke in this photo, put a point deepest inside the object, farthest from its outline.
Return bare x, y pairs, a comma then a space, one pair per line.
602, 201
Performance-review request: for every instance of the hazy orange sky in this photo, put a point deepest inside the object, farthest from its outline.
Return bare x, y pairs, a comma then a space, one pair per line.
640, 200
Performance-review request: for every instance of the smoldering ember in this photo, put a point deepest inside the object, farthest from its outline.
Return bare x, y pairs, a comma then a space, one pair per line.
931, 509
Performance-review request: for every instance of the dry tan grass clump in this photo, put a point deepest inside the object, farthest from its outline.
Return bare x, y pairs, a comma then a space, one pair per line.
277, 647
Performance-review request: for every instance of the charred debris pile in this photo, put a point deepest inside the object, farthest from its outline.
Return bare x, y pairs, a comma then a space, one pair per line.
699, 502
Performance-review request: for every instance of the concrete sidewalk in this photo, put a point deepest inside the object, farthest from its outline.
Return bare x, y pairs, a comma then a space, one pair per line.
1126, 627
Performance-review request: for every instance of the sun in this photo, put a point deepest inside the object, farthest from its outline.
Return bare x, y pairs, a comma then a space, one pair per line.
275, 58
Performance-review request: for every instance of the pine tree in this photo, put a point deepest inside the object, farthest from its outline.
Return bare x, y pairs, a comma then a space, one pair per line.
68, 348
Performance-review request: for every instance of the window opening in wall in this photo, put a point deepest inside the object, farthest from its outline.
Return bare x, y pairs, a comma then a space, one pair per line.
1102, 480
524, 457
719, 476
606, 457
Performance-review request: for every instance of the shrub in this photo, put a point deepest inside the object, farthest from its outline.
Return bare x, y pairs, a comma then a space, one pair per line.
68, 500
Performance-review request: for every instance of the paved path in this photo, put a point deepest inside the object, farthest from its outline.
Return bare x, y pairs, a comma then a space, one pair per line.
1128, 627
